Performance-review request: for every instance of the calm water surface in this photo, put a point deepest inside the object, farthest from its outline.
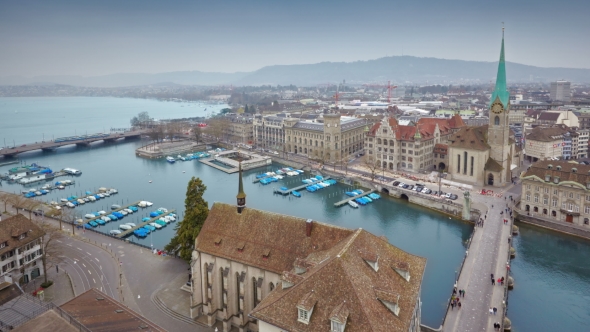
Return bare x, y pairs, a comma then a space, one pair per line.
549, 287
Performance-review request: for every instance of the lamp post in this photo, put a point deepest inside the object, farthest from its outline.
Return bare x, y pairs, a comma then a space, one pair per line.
455, 278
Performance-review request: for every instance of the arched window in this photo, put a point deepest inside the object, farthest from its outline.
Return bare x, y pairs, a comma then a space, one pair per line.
497, 121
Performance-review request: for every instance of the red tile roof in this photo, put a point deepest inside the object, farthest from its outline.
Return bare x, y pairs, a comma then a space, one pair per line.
426, 127
343, 286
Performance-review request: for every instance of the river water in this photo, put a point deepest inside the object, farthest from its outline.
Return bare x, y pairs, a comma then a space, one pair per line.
422, 232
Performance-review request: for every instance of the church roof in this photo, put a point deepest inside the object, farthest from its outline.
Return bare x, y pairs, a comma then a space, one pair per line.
266, 240
353, 282
501, 90
473, 138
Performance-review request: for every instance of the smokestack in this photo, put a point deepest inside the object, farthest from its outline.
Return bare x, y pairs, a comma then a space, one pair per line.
308, 226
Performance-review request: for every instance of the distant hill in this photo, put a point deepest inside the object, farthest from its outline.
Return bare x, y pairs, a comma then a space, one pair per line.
398, 69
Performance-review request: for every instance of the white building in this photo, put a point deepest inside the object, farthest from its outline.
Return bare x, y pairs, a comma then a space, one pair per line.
20, 249
561, 90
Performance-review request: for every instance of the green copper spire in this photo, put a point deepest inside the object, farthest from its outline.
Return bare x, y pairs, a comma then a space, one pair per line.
501, 91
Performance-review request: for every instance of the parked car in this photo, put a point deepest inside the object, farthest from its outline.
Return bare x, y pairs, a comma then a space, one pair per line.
395, 183
448, 195
401, 185
410, 187
418, 188
454, 197
426, 191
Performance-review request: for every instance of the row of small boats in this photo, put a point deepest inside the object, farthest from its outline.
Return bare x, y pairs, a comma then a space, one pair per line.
320, 185
283, 171
361, 200
74, 201
190, 156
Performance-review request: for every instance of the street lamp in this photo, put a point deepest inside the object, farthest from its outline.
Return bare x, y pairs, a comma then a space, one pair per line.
455, 277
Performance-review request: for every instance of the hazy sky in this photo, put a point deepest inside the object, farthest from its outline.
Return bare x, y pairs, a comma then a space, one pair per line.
61, 37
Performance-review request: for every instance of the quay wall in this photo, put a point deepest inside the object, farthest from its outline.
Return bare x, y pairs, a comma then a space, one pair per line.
160, 151
552, 225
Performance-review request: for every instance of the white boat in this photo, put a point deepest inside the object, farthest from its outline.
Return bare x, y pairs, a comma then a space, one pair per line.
65, 200
81, 201
70, 204
101, 195
353, 204
142, 204
72, 171
167, 219
89, 216
86, 199
158, 226
102, 212
148, 203
170, 160
171, 218
130, 224
106, 195
91, 198
114, 232
113, 191
163, 210
61, 187
125, 227
128, 210
105, 218
123, 212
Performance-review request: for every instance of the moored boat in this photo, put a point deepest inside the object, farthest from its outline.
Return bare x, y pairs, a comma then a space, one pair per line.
353, 204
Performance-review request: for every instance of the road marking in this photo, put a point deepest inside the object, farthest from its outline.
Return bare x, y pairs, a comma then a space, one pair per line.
93, 279
89, 272
69, 244
96, 259
78, 248
100, 267
58, 241
84, 264
88, 253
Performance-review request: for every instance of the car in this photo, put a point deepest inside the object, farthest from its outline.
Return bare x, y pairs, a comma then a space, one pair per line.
426, 191
448, 195
401, 185
395, 183
410, 187
435, 192
418, 188
453, 197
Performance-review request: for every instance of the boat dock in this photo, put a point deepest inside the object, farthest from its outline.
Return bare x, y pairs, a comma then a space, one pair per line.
288, 191
81, 197
129, 231
345, 201
85, 221
264, 177
10, 162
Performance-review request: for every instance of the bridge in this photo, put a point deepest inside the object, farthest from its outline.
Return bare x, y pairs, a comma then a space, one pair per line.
51, 145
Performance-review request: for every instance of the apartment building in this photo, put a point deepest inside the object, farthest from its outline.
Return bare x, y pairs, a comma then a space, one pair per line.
545, 143
20, 248
560, 90
269, 132
240, 129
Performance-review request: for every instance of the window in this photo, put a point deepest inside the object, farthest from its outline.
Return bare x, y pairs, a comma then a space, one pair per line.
554, 202
536, 188
465, 162
497, 121
587, 209
571, 195
545, 200
546, 190
22, 236
337, 326
303, 316
471, 170
458, 163
4, 244
536, 198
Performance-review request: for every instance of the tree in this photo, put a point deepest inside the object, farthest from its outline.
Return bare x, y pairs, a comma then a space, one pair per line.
372, 165
141, 120
246, 109
197, 133
196, 211
51, 254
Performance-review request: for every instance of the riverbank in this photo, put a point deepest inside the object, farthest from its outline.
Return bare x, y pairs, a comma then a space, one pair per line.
547, 223
163, 149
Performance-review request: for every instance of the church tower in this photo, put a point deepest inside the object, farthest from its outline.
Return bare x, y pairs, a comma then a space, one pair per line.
241, 196
498, 129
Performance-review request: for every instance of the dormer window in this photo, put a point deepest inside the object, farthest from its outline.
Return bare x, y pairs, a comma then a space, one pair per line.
241, 246
549, 166
574, 170
305, 307
389, 299
266, 254
338, 318
336, 326
547, 178
22, 236
217, 241
303, 316
403, 269
556, 179
559, 168
371, 258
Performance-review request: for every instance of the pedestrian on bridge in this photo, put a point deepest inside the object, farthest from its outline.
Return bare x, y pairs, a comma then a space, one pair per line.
495, 310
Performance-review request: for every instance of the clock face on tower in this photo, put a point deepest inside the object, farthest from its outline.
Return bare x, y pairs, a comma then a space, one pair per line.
497, 108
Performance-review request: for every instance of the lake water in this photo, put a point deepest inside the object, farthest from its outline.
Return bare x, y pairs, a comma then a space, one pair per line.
417, 230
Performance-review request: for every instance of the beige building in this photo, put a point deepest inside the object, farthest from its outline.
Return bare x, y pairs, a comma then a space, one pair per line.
332, 138
545, 143
240, 129
567, 118
20, 249
269, 131
409, 148
254, 270
557, 190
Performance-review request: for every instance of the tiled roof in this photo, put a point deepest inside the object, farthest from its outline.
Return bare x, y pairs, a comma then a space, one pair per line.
345, 287
549, 116
426, 127
98, 312
11, 228
541, 169
440, 148
544, 134
474, 138
259, 231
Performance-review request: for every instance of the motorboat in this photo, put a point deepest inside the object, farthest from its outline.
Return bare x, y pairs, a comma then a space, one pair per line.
106, 194
125, 227
114, 232
105, 218
133, 208
89, 216
115, 207
80, 201
63, 200
149, 203
142, 232
112, 217
172, 218
128, 210
101, 195
163, 210
93, 224
118, 215
150, 227
70, 205
113, 191
353, 204
157, 226
296, 193
100, 221
130, 224
86, 199
102, 212
124, 212
160, 222
91, 198
170, 160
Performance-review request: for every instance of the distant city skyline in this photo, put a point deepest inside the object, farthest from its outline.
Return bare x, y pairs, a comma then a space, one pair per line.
67, 37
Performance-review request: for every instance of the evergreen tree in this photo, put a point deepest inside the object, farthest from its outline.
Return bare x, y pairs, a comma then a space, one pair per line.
246, 109
196, 210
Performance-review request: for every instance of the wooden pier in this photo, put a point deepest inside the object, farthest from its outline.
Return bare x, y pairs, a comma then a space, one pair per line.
85, 221
129, 231
288, 191
345, 201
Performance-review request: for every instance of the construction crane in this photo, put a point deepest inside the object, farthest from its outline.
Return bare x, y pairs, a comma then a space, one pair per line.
389, 87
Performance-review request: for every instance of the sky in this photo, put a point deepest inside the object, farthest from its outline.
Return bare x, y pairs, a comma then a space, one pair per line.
91, 38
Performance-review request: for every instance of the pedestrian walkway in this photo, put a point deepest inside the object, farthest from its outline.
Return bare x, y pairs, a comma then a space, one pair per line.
487, 255
59, 293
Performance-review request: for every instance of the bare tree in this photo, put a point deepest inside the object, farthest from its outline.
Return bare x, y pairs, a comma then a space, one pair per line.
372, 165
51, 254
218, 128
344, 164
5, 198
197, 132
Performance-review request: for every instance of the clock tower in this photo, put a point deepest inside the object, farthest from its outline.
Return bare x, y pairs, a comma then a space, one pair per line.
498, 128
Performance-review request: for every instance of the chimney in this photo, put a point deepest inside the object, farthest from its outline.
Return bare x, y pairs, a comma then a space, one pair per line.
308, 225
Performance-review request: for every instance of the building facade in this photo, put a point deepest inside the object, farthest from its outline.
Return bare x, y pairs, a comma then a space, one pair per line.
240, 129
333, 138
561, 90
20, 249
269, 131
409, 148
558, 190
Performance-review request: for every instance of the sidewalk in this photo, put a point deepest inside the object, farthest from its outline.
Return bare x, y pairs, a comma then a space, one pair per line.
59, 293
